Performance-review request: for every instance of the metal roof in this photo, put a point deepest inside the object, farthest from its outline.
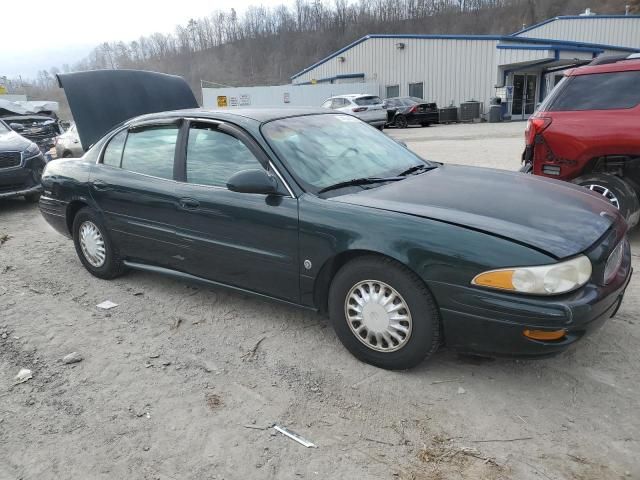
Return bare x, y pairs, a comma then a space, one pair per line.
571, 17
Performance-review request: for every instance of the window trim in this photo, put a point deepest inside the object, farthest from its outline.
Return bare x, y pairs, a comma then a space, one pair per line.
237, 133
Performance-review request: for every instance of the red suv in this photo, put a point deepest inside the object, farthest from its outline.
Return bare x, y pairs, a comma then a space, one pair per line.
587, 131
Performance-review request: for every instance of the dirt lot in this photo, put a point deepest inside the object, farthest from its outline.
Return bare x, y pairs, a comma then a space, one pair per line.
182, 382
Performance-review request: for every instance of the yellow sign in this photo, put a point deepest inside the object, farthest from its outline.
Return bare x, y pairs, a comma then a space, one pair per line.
3, 90
222, 101
313, 81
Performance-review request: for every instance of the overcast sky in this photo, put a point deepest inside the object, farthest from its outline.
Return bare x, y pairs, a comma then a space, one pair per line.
40, 34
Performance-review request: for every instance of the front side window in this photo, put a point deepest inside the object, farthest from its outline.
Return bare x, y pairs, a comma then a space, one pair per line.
323, 150
214, 156
113, 151
600, 91
151, 151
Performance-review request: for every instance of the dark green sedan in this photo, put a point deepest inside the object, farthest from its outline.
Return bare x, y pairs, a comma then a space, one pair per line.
322, 211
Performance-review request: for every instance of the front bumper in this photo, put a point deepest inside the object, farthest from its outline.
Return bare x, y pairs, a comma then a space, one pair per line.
22, 180
487, 322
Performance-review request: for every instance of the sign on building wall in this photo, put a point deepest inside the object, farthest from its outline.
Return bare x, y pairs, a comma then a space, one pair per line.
245, 100
233, 101
222, 101
287, 98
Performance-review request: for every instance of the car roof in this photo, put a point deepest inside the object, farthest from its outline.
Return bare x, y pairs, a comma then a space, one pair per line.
628, 65
260, 115
354, 95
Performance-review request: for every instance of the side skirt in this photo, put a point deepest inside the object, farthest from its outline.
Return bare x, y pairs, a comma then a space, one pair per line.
193, 278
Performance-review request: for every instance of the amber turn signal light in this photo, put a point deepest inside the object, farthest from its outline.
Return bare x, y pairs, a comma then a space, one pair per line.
545, 334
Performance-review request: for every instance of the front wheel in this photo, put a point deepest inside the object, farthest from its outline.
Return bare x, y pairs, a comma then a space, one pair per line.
383, 313
94, 246
616, 191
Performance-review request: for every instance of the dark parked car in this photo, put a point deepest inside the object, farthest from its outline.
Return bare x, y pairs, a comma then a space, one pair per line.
317, 209
405, 111
21, 165
587, 132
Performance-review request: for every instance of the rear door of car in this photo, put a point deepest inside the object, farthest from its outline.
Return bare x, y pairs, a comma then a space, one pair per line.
240, 239
133, 185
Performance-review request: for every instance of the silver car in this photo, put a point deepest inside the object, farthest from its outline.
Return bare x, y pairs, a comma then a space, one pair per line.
68, 144
368, 108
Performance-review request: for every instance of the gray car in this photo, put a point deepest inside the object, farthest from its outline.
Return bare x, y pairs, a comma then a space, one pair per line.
368, 108
68, 144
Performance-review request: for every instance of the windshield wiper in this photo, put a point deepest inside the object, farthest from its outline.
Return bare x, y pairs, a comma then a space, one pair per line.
359, 181
420, 168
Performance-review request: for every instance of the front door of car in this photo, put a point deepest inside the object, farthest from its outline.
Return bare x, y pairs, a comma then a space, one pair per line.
134, 188
241, 239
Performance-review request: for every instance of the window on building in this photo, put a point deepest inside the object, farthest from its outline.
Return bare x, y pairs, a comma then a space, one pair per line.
113, 152
601, 91
416, 90
213, 156
151, 151
392, 91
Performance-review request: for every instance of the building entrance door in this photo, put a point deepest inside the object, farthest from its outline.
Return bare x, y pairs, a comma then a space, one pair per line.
525, 87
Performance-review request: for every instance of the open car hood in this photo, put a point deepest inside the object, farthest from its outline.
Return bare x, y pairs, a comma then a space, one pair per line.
552, 216
101, 99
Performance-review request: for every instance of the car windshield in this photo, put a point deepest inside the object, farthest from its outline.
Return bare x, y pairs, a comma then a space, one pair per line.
370, 100
325, 150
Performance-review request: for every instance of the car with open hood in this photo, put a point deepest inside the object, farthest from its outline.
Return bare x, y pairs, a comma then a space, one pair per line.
317, 209
21, 165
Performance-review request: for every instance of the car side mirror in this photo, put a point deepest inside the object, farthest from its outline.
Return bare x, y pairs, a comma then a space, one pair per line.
17, 127
253, 181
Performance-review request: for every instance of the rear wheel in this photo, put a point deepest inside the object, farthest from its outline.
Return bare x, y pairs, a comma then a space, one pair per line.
400, 121
383, 313
615, 190
425, 124
94, 246
380, 127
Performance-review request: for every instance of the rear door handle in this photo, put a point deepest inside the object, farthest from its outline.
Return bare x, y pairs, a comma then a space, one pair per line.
189, 203
100, 185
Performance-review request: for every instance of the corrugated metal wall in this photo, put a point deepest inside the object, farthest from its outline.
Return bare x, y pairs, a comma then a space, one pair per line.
452, 70
270, 96
623, 32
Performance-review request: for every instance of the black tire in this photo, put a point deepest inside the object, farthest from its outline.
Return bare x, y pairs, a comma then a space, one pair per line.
626, 196
112, 266
32, 197
424, 337
67, 154
380, 127
400, 121
426, 124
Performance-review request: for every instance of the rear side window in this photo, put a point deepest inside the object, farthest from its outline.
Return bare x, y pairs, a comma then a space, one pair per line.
371, 100
151, 151
213, 157
113, 152
601, 91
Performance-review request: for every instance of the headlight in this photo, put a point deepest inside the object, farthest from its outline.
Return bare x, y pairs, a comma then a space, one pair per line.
553, 279
31, 151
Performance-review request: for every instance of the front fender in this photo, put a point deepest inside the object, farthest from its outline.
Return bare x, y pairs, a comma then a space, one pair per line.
436, 251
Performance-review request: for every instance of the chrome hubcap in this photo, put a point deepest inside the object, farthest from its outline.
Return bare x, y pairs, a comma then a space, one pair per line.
378, 316
92, 244
606, 193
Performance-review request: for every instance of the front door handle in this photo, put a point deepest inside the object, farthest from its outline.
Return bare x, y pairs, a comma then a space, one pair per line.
100, 185
189, 203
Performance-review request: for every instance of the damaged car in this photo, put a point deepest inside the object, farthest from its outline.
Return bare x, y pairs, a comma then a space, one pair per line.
316, 209
21, 166
36, 121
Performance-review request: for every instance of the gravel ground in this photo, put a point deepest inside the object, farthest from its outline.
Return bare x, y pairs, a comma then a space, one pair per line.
182, 382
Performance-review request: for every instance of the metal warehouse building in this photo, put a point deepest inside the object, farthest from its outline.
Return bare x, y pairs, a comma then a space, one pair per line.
450, 69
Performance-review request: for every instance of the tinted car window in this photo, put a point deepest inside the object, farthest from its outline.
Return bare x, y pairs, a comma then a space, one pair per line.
113, 152
213, 157
371, 100
602, 91
151, 151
